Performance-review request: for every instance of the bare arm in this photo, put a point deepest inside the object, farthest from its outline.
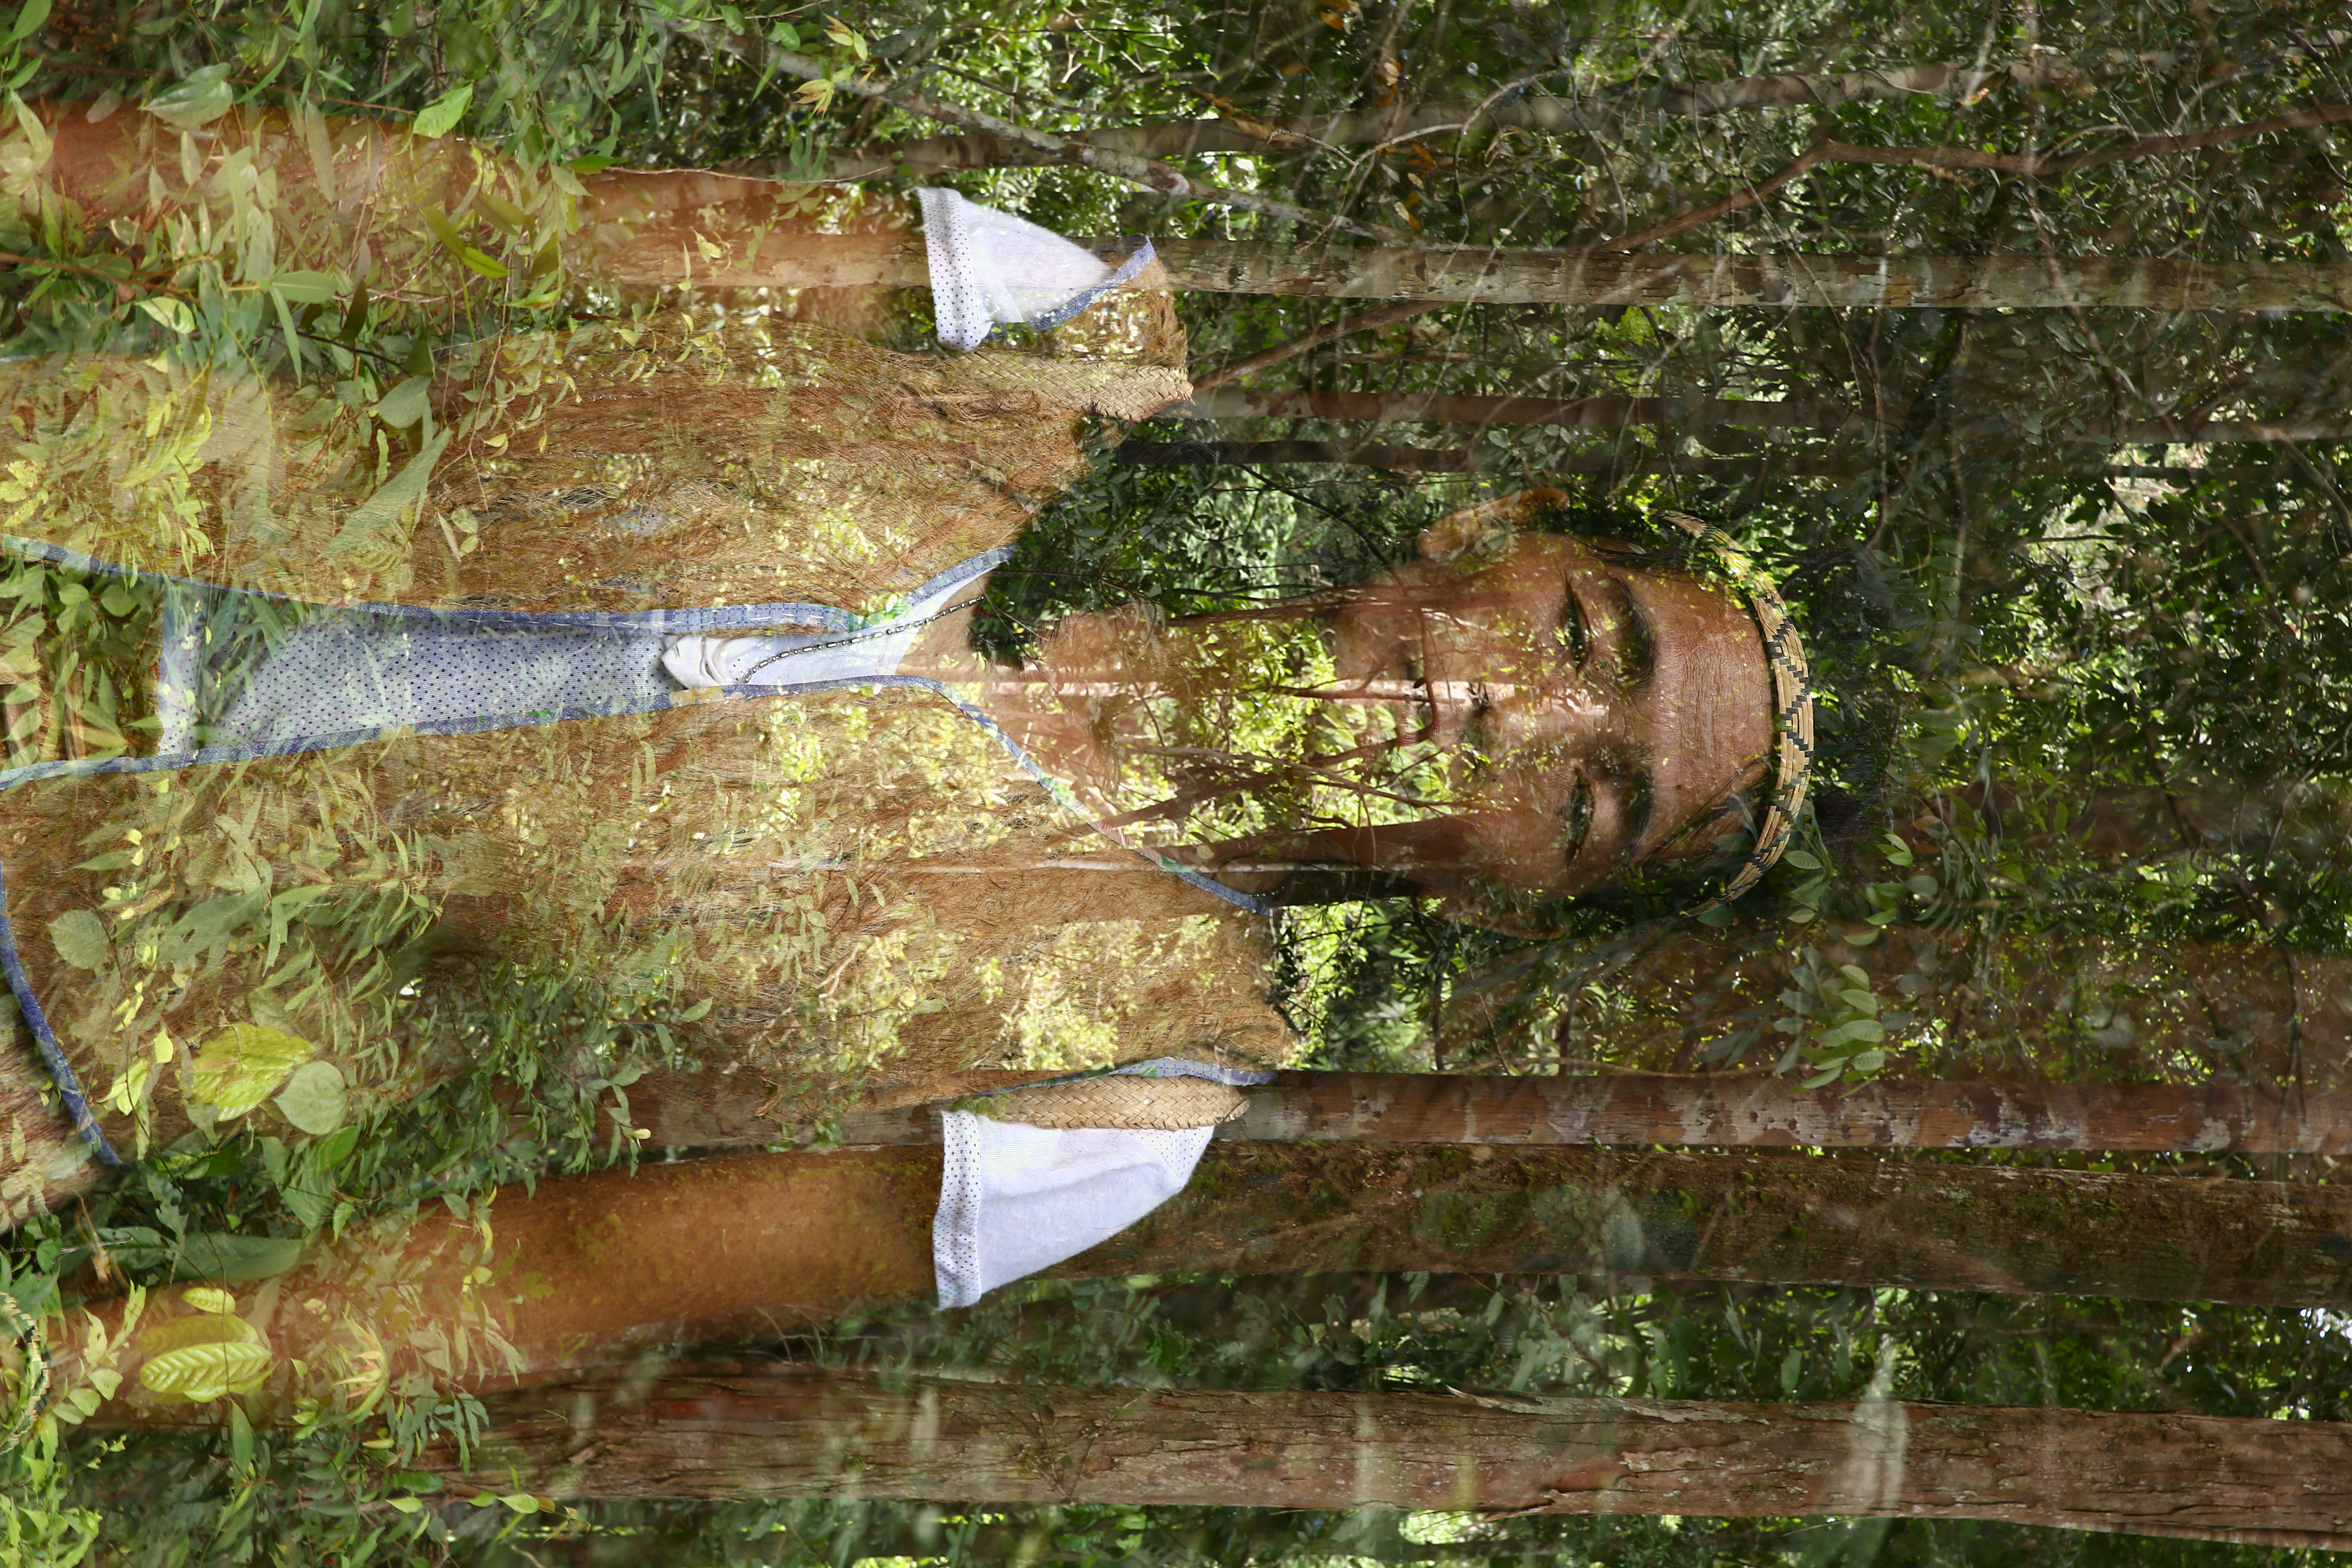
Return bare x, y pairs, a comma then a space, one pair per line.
354, 196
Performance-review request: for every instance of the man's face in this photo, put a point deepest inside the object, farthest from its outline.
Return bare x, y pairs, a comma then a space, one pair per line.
1604, 707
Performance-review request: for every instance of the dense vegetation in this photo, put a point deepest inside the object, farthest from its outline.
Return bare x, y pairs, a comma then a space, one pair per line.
2081, 581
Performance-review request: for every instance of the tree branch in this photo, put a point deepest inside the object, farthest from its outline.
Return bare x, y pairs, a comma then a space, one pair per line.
2045, 168
1697, 216
1600, 112
1343, 327
1142, 172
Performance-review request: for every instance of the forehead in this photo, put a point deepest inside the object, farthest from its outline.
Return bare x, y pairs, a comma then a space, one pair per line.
1529, 577
1528, 557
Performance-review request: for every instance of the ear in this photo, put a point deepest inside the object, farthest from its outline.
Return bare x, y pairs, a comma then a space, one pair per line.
1486, 527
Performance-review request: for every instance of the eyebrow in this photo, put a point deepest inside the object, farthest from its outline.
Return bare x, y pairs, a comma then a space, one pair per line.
1637, 803
1637, 656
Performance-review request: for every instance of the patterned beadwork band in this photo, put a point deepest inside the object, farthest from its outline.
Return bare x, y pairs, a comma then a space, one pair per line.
1792, 711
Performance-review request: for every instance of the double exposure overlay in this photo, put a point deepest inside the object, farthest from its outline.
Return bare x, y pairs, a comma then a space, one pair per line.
1369, 781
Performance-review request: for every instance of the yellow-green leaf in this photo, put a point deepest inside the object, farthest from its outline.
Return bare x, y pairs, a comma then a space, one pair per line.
243, 1065
199, 1372
440, 117
204, 1329
173, 314
208, 1299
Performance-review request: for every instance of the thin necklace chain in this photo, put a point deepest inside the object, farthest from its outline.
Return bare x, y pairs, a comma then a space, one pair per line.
865, 634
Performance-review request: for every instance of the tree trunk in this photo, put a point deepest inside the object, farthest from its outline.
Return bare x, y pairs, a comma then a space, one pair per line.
1363, 454
711, 1111
1262, 1208
1568, 412
1678, 412
1428, 459
589, 1270
1884, 282
741, 1433
1500, 277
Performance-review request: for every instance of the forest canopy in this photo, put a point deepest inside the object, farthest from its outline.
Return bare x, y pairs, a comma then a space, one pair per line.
2011, 344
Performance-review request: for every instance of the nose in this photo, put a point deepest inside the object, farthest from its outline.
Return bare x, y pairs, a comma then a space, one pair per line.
1502, 717
1500, 688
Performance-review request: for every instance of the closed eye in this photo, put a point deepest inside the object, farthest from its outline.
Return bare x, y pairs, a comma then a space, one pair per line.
1575, 630
1576, 818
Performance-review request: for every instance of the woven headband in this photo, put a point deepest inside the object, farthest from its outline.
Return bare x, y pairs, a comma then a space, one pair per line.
1792, 711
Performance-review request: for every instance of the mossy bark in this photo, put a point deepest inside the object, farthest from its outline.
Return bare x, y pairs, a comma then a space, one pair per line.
740, 1433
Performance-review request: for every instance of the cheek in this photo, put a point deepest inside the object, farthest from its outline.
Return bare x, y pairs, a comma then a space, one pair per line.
1512, 837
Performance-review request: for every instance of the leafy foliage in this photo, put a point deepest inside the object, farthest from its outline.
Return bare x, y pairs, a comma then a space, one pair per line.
2120, 647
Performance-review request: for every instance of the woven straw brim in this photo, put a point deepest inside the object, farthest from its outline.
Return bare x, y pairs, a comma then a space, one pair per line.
1166, 1104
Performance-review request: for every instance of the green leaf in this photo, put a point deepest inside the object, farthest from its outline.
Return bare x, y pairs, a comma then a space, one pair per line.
240, 1437
1922, 885
438, 117
480, 261
210, 923
445, 231
79, 938
1802, 858
286, 324
239, 1067
28, 21
306, 288
208, 1299
314, 1099
504, 215
333, 1150
197, 100
592, 164
1867, 1062
405, 404
199, 1372
231, 1260
173, 314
